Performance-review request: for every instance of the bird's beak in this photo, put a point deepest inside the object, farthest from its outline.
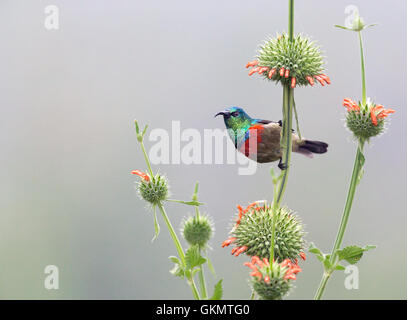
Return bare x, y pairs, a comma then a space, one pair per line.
223, 113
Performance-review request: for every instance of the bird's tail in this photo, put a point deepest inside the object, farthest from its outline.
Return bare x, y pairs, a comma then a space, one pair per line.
308, 147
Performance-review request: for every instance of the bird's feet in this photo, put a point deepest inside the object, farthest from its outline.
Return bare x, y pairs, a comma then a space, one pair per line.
281, 165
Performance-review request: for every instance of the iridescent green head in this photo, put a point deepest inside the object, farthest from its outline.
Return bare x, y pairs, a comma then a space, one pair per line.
236, 118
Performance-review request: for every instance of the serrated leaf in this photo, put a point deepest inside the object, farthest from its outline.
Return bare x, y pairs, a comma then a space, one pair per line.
352, 254
218, 292
193, 257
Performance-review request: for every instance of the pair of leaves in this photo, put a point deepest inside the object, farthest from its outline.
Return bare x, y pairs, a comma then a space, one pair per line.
350, 254
193, 259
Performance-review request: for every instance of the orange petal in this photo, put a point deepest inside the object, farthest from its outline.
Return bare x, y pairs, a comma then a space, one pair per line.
282, 70
272, 72
142, 175
252, 63
293, 82
373, 117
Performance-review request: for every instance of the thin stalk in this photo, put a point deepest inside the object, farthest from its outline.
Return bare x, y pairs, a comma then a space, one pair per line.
146, 159
202, 283
180, 251
286, 139
362, 66
174, 236
357, 167
201, 275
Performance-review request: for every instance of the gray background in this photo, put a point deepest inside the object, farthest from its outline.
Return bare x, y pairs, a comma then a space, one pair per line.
68, 99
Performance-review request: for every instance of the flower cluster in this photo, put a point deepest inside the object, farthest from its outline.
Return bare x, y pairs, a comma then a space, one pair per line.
152, 189
272, 281
365, 121
296, 62
252, 233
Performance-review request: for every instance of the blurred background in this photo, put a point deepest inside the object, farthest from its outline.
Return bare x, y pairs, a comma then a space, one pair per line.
68, 98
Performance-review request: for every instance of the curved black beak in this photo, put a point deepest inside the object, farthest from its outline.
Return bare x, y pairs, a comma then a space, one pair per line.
223, 113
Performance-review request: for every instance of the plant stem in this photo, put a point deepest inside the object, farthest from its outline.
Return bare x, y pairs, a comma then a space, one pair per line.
362, 66
286, 138
357, 167
146, 159
201, 275
180, 251
174, 236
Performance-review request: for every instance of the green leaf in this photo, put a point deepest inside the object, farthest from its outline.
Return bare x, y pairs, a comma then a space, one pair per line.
156, 226
313, 249
218, 292
352, 254
189, 203
177, 270
342, 27
210, 266
339, 267
193, 258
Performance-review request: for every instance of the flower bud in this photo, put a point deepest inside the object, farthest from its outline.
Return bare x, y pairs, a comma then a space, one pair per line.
197, 230
153, 189
253, 231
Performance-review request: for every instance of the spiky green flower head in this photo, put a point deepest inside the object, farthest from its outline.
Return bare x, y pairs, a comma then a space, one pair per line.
272, 281
197, 230
152, 189
365, 120
252, 233
296, 62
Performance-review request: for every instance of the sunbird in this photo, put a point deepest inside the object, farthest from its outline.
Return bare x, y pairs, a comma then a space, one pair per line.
259, 139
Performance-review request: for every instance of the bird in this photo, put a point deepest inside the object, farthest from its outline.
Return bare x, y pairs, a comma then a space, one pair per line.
259, 139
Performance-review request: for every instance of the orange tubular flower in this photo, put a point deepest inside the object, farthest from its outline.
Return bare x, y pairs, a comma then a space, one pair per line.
142, 175
282, 71
350, 105
303, 256
310, 80
252, 64
228, 242
272, 73
293, 82
287, 73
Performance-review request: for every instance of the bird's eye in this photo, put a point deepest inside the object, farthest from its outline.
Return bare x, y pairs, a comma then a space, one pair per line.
235, 114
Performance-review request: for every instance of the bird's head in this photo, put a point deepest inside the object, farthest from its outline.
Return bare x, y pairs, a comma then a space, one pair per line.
235, 118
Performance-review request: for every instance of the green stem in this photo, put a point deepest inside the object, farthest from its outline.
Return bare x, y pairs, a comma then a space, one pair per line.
322, 286
286, 138
362, 66
180, 251
146, 159
357, 167
174, 236
290, 20
202, 283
